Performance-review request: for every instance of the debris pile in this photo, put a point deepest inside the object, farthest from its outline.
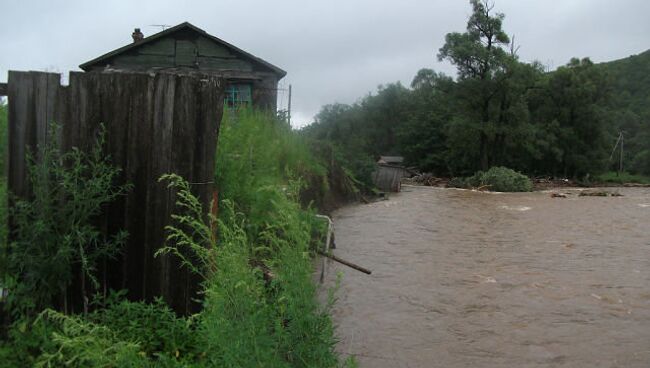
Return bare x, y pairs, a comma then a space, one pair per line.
426, 179
600, 193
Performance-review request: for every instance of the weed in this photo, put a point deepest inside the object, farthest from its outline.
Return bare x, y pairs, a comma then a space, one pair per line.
53, 232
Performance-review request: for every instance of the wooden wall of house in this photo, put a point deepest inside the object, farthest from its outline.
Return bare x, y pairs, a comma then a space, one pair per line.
265, 92
181, 49
155, 124
189, 50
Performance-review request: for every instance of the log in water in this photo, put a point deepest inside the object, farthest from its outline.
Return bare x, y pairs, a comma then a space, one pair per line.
468, 279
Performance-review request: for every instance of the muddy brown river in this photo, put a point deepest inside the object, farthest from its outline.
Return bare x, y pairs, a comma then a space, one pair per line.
471, 279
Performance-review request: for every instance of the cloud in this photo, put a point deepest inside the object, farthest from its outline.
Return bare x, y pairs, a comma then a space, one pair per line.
333, 51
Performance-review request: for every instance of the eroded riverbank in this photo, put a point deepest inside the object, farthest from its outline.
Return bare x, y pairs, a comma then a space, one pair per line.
464, 278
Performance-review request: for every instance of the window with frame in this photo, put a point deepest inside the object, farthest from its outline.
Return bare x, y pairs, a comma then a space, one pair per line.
238, 95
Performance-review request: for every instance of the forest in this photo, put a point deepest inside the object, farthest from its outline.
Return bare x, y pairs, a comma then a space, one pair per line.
500, 111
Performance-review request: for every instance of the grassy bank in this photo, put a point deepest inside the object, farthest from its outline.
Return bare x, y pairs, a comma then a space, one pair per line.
613, 177
260, 306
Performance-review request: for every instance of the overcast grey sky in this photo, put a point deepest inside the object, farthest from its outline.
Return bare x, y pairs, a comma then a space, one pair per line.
333, 51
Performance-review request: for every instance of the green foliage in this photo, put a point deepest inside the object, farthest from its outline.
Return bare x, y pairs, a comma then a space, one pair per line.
54, 232
256, 157
244, 321
628, 109
260, 303
497, 179
502, 179
622, 178
25, 341
571, 108
247, 321
153, 326
80, 343
360, 133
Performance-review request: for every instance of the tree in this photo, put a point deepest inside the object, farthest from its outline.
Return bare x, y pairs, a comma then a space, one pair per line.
482, 62
572, 113
421, 137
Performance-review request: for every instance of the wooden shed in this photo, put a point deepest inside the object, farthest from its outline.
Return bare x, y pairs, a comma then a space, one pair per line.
185, 47
389, 173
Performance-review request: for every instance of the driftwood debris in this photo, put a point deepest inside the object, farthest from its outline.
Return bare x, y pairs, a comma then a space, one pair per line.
347, 263
600, 193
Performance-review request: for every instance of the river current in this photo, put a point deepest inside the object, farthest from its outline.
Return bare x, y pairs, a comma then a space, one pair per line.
473, 279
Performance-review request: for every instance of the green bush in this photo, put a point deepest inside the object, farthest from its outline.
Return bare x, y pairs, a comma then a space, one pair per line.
248, 319
154, 326
502, 179
497, 179
54, 230
257, 156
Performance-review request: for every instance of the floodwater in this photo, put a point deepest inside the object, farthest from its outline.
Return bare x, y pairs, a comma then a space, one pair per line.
471, 279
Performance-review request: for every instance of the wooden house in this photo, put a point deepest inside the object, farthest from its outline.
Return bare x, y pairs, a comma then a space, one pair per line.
185, 48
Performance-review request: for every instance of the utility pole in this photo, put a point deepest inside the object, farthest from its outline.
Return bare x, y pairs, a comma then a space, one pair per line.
289, 107
620, 159
620, 164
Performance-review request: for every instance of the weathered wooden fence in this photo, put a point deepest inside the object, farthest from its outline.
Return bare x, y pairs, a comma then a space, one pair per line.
155, 124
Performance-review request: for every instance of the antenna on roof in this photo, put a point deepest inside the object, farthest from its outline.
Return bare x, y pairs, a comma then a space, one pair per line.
162, 26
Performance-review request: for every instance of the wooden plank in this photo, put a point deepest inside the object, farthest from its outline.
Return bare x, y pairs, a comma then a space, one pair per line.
135, 169
209, 111
163, 46
185, 136
207, 47
216, 63
185, 53
143, 62
158, 196
40, 110
21, 116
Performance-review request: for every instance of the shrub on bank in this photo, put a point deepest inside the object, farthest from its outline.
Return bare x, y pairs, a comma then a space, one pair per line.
497, 179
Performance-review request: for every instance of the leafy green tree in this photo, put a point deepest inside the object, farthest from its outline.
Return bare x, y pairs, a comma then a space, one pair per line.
422, 137
573, 115
481, 60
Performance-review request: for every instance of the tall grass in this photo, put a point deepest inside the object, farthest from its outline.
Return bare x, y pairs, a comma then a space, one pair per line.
259, 308
260, 161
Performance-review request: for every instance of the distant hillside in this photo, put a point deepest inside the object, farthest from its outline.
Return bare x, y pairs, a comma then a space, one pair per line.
629, 108
631, 77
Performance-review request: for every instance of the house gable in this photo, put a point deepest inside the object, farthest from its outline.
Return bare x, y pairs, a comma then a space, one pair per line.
183, 46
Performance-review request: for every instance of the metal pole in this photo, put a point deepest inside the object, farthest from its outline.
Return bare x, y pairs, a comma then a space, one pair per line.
289, 107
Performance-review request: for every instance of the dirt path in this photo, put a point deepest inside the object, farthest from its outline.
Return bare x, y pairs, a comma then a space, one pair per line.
467, 279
